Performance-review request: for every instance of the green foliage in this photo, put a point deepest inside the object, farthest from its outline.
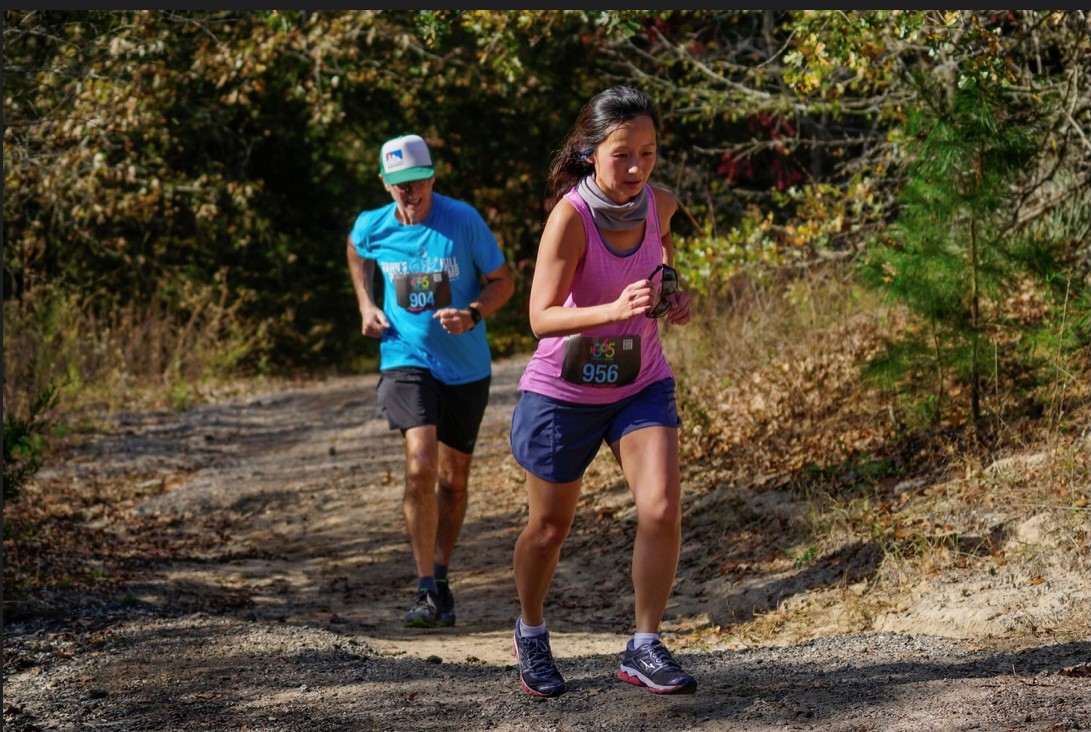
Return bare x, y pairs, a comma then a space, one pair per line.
24, 442
953, 257
230, 151
707, 264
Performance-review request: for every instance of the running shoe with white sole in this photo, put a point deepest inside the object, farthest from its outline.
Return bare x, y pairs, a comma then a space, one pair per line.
653, 666
538, 674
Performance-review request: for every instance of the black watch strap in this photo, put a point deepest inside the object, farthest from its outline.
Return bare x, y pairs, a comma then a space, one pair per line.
475, 314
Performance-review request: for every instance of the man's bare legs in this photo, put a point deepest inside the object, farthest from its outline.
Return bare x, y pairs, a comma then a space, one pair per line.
436, 496
434, 504
419, 501
452, 497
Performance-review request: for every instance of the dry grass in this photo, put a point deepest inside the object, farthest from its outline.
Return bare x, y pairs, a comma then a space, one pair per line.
804, 472
146, 355
808, 501
770, 374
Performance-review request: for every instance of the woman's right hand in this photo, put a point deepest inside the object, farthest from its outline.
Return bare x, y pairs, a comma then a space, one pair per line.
636, 299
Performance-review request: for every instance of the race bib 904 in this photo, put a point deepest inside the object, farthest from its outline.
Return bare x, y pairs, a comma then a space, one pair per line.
601, 362
418, 291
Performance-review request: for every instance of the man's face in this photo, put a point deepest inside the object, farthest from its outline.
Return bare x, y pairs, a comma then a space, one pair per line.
413, 199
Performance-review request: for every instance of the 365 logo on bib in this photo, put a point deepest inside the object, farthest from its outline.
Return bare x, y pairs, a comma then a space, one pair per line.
601, 361
419, 291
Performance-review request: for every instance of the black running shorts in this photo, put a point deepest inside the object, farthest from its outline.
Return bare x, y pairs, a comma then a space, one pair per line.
412, 397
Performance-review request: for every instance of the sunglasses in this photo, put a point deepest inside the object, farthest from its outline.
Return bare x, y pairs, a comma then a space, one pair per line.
412, 185
667, 285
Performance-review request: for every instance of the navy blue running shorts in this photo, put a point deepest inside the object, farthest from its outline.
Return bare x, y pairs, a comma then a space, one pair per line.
556, 440
412, 397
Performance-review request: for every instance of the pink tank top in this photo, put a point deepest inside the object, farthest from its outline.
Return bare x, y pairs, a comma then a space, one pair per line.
608, 363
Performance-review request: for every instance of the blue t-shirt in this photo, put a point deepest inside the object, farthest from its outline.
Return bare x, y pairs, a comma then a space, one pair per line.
426, 267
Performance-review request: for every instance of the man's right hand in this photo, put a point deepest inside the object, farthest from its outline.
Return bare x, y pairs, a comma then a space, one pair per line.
374, 322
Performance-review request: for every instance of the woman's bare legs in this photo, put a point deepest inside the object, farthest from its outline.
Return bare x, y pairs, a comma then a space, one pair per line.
552, 507
649, 459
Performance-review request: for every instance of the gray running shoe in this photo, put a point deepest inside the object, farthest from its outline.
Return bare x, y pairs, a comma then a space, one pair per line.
446, 602
538, 674
425, 611
653, 666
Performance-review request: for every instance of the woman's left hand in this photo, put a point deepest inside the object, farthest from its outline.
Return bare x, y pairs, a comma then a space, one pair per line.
679, 312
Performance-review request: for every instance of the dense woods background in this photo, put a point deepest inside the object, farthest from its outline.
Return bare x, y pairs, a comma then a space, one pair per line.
885, 218
178, 185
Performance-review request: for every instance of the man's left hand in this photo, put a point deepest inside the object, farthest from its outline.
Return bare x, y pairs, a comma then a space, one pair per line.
454, 321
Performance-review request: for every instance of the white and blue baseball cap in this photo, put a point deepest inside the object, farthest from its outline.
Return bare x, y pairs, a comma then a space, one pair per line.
404, 159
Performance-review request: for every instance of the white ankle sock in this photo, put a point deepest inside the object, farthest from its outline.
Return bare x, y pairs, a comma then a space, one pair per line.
530, 631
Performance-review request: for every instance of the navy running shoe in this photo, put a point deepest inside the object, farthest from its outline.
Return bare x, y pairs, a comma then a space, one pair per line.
425, 611
446, 603
653, 666
538, 674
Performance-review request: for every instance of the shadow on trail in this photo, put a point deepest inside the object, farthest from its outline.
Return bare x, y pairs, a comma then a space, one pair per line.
351, 688
301, 522
290, 552
305, 499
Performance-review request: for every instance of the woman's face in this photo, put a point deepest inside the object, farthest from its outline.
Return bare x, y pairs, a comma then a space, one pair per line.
624, 160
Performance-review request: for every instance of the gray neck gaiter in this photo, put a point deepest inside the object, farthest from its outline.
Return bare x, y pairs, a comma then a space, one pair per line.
610, 216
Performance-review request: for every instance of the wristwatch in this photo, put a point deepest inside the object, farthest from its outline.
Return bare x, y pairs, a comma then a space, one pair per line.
475, 315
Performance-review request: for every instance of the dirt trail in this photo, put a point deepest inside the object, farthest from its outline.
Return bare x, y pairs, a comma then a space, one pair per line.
288, 615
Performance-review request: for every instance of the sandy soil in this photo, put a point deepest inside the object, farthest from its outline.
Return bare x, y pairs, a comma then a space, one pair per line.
284, 610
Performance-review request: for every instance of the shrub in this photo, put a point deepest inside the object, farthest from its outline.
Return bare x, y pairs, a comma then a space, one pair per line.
24, 441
